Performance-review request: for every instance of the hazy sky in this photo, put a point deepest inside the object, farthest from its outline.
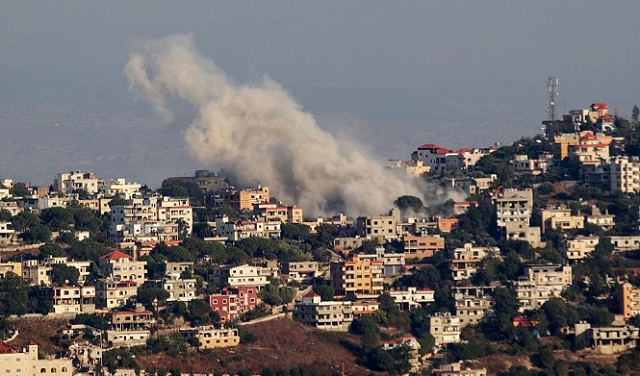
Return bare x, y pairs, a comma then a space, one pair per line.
392, 74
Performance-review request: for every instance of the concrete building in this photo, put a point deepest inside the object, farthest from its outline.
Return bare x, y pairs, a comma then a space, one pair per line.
233, 302
412, 298
419, 247
412, 344
212, 338
458, 369
513, 205
579, 248
444, 327
606, 340
466, 260
364, 308
245, 199
472, 303
541, 283
360, 276
239, 276
7, 233
560, 218
522, 164
304, 272
625, 243
284, 214
522, 231
10, 267
629, 300
120, 266
392, 263
11, 206
176, 210
605, 220
328, 315
234, 231
26, 361
119, 188
381, 227
207, 181
342, 244
114, 294
75, 181
71, 299
179, 289
439, 159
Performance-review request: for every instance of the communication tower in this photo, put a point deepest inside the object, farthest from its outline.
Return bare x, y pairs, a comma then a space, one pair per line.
552, 88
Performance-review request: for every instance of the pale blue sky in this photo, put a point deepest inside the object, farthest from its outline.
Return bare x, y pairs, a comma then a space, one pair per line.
392, 74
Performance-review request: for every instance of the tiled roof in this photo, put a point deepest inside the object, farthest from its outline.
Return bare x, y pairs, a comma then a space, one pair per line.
115, 255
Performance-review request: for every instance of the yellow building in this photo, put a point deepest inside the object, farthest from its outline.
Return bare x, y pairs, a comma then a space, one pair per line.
246, 198
561, 144
211, 337
14, 267
629, 299
422, 246
360, 276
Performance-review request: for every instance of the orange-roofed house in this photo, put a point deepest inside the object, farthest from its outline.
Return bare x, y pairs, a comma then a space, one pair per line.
119, 266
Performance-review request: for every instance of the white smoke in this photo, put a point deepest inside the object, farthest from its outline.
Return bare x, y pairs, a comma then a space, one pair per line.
261, 133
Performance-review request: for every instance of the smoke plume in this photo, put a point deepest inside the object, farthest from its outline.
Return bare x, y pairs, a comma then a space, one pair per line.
262, 134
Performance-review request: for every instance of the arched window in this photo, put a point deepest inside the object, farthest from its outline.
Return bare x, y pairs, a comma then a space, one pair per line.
53, 370
43, 370
64, 369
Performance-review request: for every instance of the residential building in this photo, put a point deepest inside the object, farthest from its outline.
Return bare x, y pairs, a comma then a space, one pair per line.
71, 299
392, 263
541, 283
76, 181
364, 308
360, 276
579, 248
447, 224
341, 244
520, 230
208, 182
120, 266
119, 188
624, 174
461, 207
522, 164
11, 206
284, 214
412, 344
172, 269
381, 227
625, 243
606, 340
439, 159
113, 294
327, 315
179, 289
606, 221
7, 233
458, 369
421, 246
513, 205
238, 230
26, 361
472, 303
130, 320
629, 300
466, 260
231, 303
591, 149
176, 210
10, 267
239, 276
211, 337
304, 272
245, 199
412, 298
560, 218
444, 327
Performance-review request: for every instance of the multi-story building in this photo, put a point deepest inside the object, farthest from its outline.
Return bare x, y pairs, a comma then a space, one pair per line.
211, 337
207, 181
591, 148
119, 187
172, 269
629, 300
179, 289
413, 347
522, 164
579, 248
76, 181
364, 308
113, 294
233, 302
473, 303
304, 272
38, 272
7, 233
541, 283
341, 244
71, 299
273, 212
381, 227
238, 230
421, 246
328, 315
606, 340
606, 221
239, 276
560, 218
362, 277
439, 159
11, 206
513, 205
412, 298
176, 210
444, 327
245, 199
466, 260
26, 361
120, 266
392, 263
10, 267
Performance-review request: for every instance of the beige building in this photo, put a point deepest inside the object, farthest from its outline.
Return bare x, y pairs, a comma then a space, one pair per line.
412, 298
244, 199
625, 243
444, 327
606, 340
113, 294
7, 234
120, 266
466, 260
72, 299
604, 220
560, 218
179, 289
522, 231
347, 243
10, 267
421, 246
541, 283
75, 181
303, 272
523, 165
211, 338
458, 369
329, 315
381, 227
472, 303
579, 248
27, 361
273, 212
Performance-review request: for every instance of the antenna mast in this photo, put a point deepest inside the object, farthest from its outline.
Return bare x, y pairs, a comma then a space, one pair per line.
552, 87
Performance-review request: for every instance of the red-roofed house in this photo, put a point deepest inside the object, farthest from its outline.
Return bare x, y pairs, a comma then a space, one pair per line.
119, 266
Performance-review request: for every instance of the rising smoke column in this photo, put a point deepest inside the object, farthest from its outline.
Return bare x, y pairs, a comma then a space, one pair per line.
262, 134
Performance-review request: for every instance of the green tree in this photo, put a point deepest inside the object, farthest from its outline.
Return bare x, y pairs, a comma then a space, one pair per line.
326, 292
5, 215
635, 113
62, 274
427, 343
19, 190
410, 203
146, 296
50, 249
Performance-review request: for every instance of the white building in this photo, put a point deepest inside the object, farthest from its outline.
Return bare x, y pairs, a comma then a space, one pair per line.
328, 315
412, 298
235, 231
239, 276
120, 188
444, 327
75, 181
466, 260
122, 267
541, 283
